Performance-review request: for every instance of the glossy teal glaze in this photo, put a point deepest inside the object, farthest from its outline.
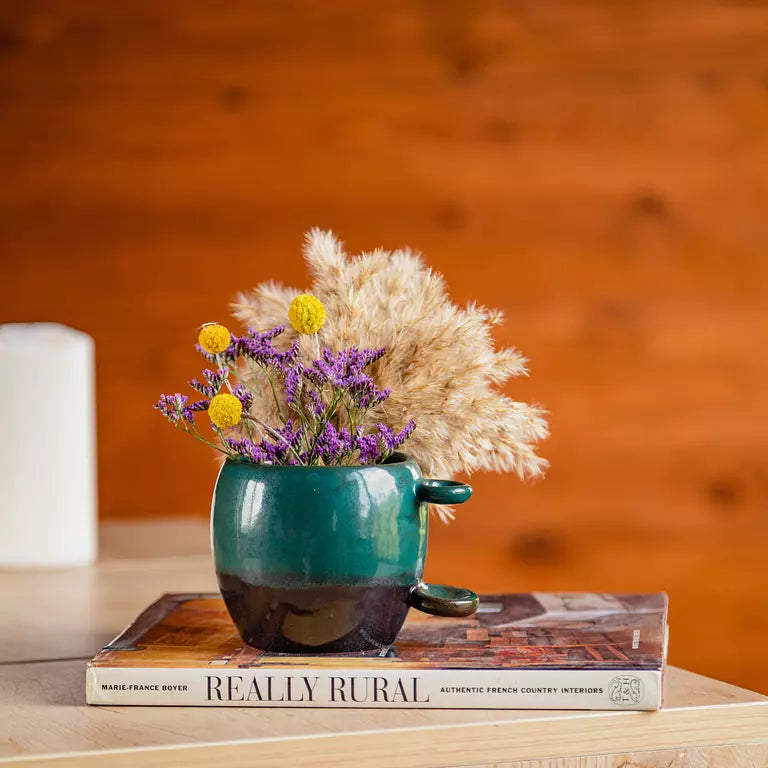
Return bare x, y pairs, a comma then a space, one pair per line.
328, 559
320, 525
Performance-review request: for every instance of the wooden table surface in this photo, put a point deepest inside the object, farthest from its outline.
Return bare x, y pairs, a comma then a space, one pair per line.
592, 168
52, 622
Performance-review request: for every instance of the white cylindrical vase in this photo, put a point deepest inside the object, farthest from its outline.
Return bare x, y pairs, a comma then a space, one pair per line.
47, 446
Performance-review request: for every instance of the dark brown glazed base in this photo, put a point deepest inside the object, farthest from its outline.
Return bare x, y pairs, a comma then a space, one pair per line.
323, 619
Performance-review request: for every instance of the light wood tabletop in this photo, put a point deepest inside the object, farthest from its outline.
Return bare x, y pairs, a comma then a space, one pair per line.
52, 622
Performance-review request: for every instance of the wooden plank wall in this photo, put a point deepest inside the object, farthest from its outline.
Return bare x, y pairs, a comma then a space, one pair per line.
598, 170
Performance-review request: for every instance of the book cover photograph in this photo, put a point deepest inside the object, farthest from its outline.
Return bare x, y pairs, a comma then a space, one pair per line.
535, 650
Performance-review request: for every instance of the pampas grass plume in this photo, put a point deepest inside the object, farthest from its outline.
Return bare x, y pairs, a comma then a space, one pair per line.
441, 363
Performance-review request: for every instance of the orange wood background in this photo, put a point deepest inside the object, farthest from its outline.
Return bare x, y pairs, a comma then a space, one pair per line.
599, 170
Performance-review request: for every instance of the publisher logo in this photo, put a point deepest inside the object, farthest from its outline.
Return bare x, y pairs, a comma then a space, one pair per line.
626, 690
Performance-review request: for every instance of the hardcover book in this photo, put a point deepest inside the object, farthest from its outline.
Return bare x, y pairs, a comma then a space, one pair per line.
519, 651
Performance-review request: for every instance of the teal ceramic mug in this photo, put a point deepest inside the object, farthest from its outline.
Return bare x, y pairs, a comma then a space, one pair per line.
328, 559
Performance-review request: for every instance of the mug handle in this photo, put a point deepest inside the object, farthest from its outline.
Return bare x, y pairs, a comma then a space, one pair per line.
443, 491
440, 599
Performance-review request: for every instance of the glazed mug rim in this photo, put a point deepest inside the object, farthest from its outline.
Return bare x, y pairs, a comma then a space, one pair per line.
397, 459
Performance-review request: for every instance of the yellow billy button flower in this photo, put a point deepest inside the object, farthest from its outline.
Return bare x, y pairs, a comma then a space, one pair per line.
214, 338
307, 313
225, 410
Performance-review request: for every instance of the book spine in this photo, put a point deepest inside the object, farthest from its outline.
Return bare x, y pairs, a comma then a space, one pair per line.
418, 688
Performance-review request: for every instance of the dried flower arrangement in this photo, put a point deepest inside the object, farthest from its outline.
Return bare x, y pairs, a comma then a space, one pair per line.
309, 408
399, 361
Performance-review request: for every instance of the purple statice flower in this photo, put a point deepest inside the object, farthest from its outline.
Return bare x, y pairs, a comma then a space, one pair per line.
192, 408
268, 335
290, 434
228, 356
328, 445
404, 433
316, 402
174, 407
344, 370
292, 383
171, 406
368, 446
386, 437
249, 450
215, 378
281, 445
390, 441
203, 389
365, 394
274, 455
377, 446
286, 361
257, 346
372, 355
290, 357
267, 451
332, 446
244, 395
213, 381
347, 441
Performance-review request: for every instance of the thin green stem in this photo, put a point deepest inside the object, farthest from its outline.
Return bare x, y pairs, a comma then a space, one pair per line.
248, 429
274, 394
309, 430
351, 418
239, 378
195, 433
233, 369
